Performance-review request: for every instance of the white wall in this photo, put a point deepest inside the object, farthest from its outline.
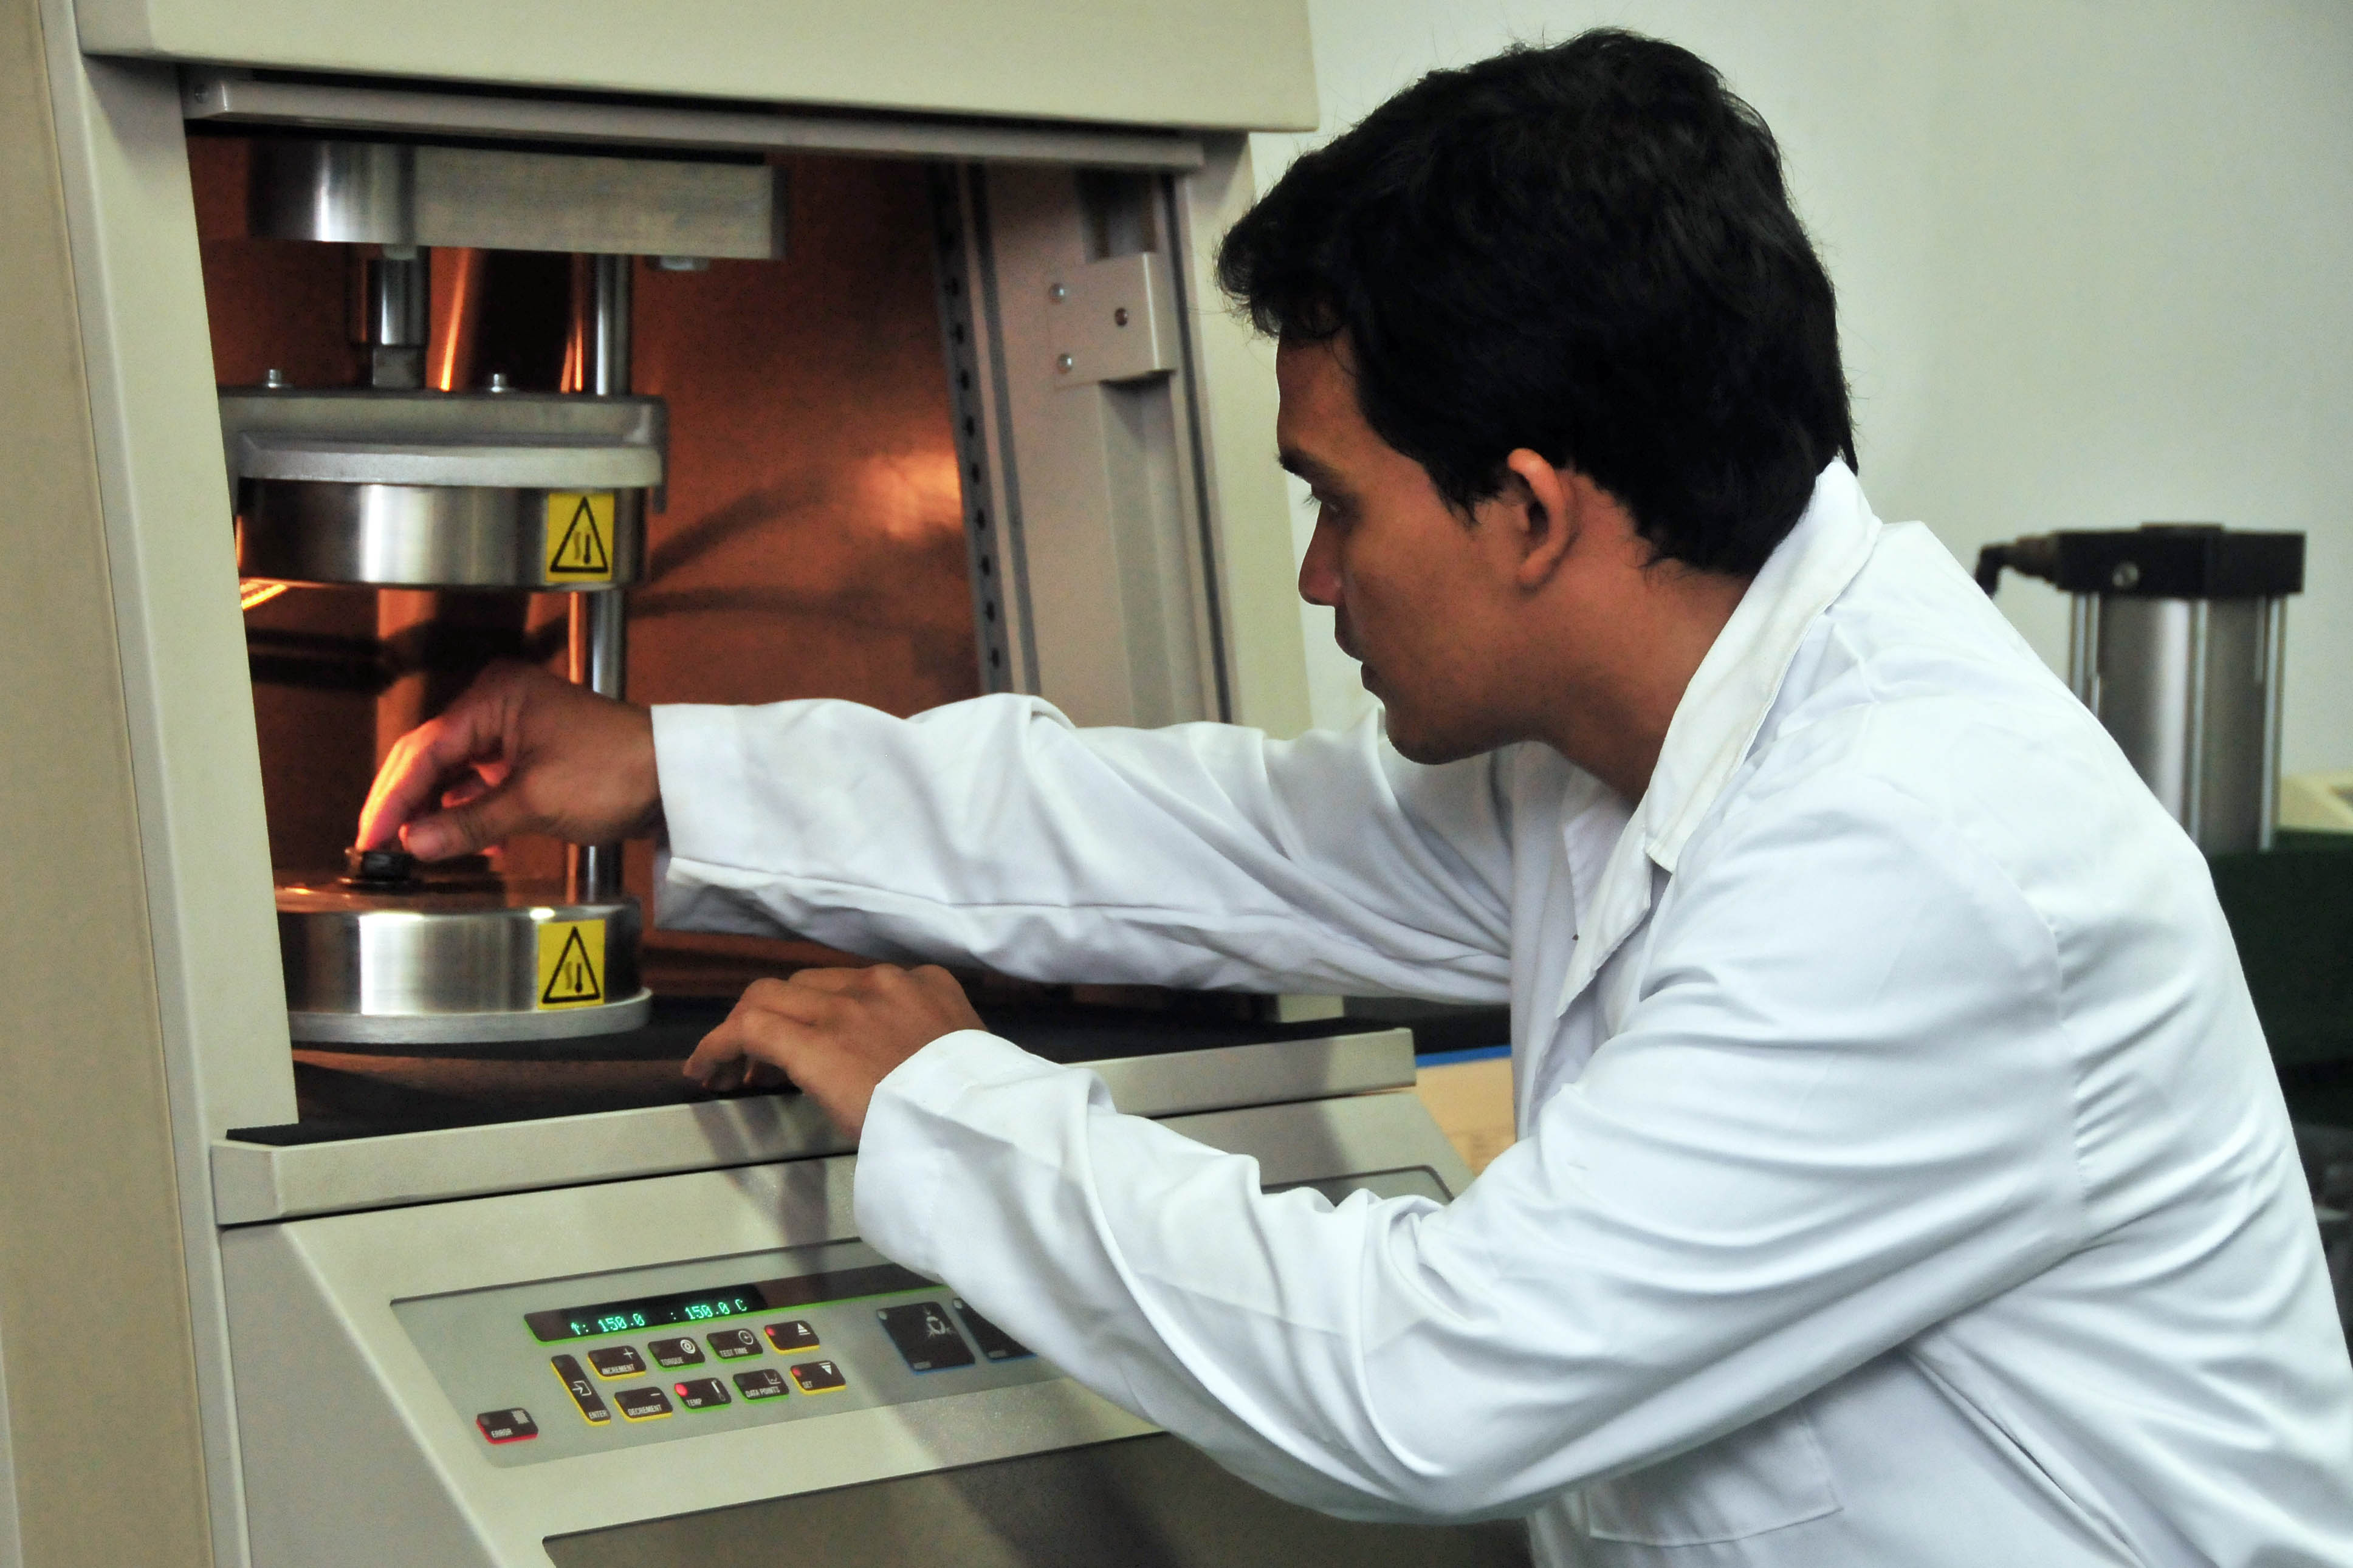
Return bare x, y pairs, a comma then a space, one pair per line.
2094, 261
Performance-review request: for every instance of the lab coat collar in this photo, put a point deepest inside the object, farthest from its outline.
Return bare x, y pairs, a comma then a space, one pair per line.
1722, 710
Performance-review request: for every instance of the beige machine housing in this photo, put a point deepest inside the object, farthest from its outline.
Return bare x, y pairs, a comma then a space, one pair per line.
1149, 583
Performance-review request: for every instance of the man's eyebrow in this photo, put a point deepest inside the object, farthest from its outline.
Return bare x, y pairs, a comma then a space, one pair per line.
1295, 461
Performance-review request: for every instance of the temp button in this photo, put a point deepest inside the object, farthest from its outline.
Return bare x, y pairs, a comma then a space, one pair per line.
700, 1392
583, 1389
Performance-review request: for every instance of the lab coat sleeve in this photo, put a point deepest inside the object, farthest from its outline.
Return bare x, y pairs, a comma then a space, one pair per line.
1201, 856
1842, 1115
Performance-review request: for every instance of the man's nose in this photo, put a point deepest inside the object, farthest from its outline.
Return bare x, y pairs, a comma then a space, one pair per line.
1319, 569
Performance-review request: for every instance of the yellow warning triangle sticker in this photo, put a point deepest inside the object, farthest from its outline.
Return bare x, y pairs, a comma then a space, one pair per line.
579, 548
570, 973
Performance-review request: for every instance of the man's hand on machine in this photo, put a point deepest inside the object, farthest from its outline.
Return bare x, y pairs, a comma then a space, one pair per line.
520, 751
836, 1032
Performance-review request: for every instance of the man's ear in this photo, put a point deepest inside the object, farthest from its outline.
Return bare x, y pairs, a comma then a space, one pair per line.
1546, 516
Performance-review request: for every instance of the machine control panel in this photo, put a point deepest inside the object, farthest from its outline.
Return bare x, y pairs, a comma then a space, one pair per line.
652, 1354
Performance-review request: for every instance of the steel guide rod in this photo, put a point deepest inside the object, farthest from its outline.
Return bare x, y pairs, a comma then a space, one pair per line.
599, 643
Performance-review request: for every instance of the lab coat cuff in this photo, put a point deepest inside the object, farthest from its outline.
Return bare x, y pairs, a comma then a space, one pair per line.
902, 1159
702, 766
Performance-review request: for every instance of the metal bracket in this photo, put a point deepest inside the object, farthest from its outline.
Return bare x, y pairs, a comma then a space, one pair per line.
1113, 321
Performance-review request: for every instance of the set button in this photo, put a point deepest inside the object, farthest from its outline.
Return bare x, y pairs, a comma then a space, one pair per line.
766, 1383
676, 1352
793, 1334
820, 1377
617, 1361
729, 1343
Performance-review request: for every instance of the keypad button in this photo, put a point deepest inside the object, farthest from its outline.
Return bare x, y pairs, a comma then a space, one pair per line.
793, 1334
643, 1403
729, 1343
819, 1377
700, 1392
676, 1352
617, 1361
994, 1342
766, 1383
924, 1335
583, 1389
507, 1425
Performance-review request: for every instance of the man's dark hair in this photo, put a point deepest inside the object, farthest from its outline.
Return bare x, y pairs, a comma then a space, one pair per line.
1585, 251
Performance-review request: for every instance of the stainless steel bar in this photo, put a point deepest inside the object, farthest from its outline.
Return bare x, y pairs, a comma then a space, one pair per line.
599, 623
2193, 800
211, 93
2083, 648
2275, 676
399, 307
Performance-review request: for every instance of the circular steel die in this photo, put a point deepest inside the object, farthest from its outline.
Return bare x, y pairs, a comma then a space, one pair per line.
428, 536
445, 964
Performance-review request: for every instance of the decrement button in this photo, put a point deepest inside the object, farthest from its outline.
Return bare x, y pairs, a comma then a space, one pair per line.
924, 1336
507, 1425
676, 1352
819, 1377
617, 1361
643, 1403
583, 1389
767, 1383
700, 1393
729, 1343
793, 1334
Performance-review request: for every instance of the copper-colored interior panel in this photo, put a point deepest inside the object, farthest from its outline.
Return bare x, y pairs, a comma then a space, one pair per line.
811, 543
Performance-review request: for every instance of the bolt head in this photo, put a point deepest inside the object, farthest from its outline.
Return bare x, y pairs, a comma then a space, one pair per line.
2127, 575
1058, 293
1064, 362
1119, 316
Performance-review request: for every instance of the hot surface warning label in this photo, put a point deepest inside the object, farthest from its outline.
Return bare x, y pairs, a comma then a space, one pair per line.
571, 964
580, 536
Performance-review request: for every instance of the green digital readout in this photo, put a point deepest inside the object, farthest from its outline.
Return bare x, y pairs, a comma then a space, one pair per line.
645, 1312
717, 1305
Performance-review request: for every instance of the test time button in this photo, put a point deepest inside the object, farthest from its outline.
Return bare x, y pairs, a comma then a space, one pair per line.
729, 1343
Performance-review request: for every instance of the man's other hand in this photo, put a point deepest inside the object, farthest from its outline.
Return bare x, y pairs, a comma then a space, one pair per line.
836, 1032
520, 751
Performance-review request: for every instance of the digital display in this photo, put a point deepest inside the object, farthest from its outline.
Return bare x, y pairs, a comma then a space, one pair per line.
720, 1305
646, 1313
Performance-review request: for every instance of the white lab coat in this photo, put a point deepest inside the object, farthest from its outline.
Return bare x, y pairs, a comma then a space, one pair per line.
1903, 1178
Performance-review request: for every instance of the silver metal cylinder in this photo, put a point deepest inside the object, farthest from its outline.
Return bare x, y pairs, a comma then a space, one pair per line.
439, 536
599, 623
453, 964
2190, 690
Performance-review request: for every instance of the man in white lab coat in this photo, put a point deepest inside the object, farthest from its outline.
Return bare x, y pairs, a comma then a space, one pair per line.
1902, 1177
